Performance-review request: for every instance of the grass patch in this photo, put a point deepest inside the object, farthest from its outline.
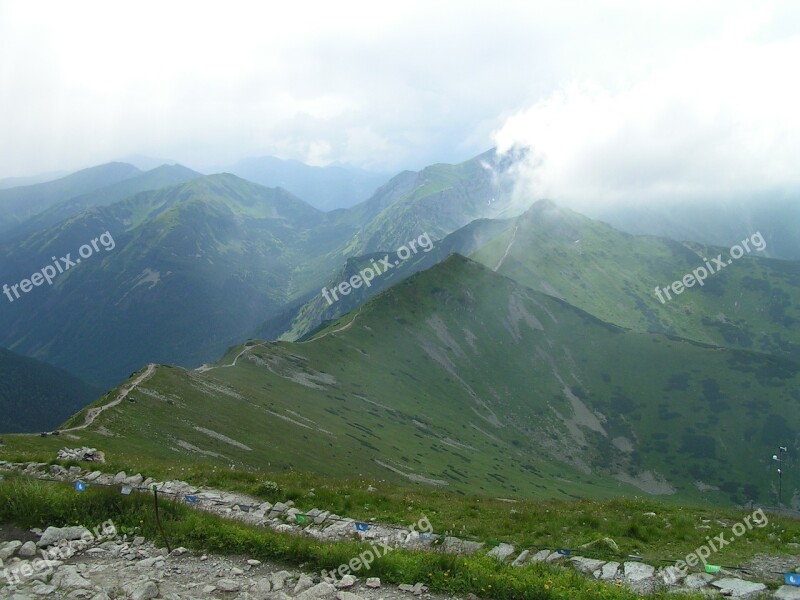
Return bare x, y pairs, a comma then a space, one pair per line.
29, 503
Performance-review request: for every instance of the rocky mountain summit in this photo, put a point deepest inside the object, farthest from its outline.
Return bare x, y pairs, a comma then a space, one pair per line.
125, 568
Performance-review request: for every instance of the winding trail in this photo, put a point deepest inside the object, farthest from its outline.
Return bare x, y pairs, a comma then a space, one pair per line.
508, 249
207, 367
348, 325
93, 413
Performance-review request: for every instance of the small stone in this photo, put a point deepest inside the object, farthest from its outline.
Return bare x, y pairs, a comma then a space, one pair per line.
373, 582
305, 582
204, 558
228, 585
27, 549
9, 549
279, 579
253, 562
236, 571
346, 582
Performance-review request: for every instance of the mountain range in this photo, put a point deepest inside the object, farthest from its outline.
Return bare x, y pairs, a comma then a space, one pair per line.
520, 348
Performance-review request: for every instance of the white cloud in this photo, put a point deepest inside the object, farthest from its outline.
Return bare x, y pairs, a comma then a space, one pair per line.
719, 119
384, 85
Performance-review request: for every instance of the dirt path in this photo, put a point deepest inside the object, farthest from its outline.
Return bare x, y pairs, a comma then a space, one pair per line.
342, 328
204, 368
508, 249
93, 413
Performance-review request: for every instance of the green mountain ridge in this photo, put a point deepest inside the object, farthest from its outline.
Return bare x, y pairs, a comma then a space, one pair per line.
18, 204
460, 377
154, 179
200, 265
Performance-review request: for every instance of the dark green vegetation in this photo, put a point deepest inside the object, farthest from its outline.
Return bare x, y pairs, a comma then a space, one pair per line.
35, 395
461, 378
203, 264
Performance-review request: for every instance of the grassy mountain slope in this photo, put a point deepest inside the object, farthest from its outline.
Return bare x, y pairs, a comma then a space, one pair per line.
306, 317
459, 377
159, 177
437, 200
196, 267
35, 395
754, 303
21, 203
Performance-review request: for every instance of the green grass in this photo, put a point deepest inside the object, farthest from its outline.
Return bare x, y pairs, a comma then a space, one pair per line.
674, 532
34, 504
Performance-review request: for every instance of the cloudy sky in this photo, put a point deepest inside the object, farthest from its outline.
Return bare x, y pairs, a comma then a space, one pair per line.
620, 98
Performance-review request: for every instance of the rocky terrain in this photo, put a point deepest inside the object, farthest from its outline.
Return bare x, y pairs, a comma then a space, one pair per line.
123, 568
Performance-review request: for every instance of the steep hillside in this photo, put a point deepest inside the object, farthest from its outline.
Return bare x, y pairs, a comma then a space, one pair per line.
437, 200
751, 303
19, 204
36, 396
160, 177
187, 271
459, 377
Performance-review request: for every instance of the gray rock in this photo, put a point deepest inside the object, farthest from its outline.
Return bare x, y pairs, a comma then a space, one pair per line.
120, 477
149, 563
636, 571
134, 480
586, 565
142, 590
373, 582
52, 535
787, 592
68, 578
740, 587
261, 587
456, 545
501, 552
228, 585
346, 582
27, 549
321, 590
697, 580
305, 582
540, 556
520, 560
279, 579
347, 596
555, 556
43, 589
9, 549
